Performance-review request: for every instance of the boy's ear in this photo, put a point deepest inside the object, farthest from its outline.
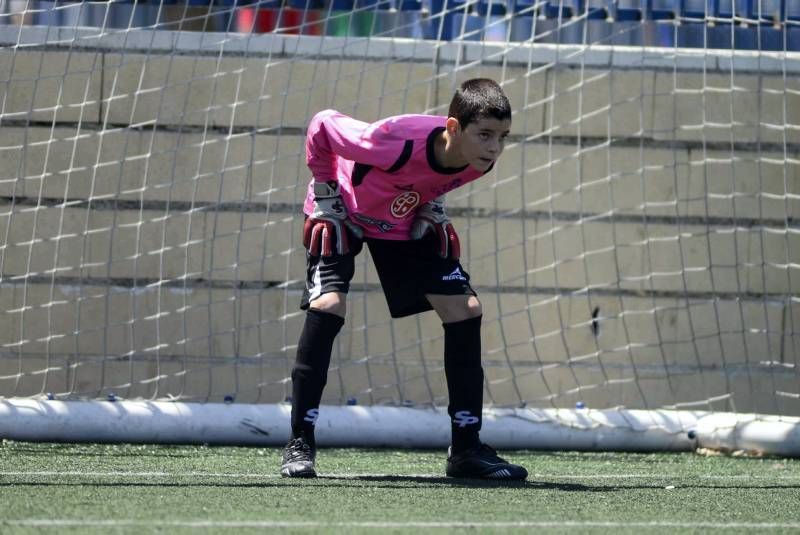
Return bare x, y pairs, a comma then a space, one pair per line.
453, 126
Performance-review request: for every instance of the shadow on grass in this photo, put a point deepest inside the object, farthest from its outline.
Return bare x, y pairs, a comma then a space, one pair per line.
380, 481
400, 480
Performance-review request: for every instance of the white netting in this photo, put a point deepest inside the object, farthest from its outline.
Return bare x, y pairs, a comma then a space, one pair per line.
637, 245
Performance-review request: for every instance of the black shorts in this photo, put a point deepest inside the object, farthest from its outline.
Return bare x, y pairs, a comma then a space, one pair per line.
407, 270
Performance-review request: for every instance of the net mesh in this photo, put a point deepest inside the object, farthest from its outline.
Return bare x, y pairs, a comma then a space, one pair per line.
636, 246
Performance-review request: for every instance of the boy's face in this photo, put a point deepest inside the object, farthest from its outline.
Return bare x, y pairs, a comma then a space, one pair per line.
482, 141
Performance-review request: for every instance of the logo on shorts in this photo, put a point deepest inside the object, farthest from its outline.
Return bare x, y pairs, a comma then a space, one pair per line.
404, 204
456, 275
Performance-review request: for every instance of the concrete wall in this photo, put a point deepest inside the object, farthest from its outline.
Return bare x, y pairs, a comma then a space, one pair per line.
149, 224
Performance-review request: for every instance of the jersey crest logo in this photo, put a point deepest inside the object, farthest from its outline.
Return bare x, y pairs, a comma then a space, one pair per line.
404, 204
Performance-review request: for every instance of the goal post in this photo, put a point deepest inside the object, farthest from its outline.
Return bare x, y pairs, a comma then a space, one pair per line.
636, 249
245, 424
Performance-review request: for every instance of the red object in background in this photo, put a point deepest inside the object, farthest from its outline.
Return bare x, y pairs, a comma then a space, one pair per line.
301, 21
254, 20
280, 20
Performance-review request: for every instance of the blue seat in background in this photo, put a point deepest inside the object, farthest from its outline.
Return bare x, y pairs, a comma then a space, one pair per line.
691, 34
381, 5
745, 38
598, 25
747, 25
306, 4
734, 9
628, 11
659, 33
109, 16
770, 11
570, 23
598, 9
661, 10
52, 14
560, 9
409, 5
791, 12
627, 16
659, 25
475, 24
770, 38
695, 33
793, 38
492, 15
597, 16
410, 21
696, 9
438, 6
525, 19
442, 15
466, 27
792, 24
491, 8
522, 8
587, 22
792, 18
732, 36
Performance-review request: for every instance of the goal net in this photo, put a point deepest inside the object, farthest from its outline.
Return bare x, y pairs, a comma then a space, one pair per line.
636, 248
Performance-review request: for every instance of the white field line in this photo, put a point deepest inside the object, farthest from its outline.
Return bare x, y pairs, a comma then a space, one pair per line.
278, 524
532, 477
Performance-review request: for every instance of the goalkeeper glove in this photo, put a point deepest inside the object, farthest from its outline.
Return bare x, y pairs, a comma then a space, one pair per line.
432, 217
326, 227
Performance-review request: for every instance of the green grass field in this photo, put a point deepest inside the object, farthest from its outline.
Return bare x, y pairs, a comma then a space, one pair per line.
79, 488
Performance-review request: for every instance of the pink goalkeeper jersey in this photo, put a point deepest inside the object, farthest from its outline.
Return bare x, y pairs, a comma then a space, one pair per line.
386, 170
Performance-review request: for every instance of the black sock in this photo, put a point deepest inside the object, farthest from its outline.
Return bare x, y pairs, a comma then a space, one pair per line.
464, 374
310, 372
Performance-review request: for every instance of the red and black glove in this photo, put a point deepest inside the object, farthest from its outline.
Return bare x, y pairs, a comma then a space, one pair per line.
325, 230
431, 217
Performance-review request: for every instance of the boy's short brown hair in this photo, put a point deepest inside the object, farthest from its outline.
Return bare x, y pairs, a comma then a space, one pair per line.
479, 98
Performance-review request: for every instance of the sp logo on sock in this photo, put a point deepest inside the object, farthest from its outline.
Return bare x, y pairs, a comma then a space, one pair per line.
465, 418
311, 416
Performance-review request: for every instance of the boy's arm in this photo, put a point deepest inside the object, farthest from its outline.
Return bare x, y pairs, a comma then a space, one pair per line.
332, 134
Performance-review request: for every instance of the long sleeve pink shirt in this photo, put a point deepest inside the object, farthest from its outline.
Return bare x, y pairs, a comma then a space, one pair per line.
386, 170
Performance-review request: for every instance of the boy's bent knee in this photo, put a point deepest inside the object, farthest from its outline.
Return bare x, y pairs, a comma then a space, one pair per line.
332, 303
453, 308
474, 307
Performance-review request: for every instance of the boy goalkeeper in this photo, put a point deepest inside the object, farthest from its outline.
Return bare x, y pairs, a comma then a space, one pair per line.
383, 184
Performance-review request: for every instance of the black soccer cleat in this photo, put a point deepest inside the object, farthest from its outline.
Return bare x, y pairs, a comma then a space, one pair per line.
298, 459
483, 462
